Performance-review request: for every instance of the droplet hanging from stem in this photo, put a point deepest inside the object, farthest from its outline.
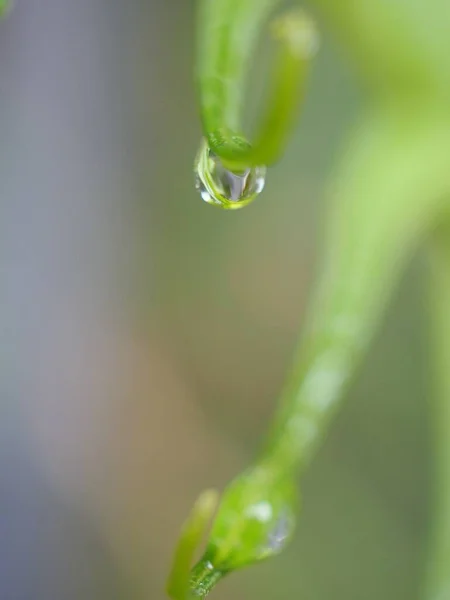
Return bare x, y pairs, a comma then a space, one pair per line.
230, 171
224, 187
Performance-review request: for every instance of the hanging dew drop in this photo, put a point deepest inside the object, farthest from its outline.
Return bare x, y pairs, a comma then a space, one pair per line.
224, 188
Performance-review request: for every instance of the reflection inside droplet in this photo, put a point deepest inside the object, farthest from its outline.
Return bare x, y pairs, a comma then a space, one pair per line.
222, 187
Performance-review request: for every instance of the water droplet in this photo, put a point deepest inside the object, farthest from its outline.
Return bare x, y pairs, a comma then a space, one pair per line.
281, 532
222, 187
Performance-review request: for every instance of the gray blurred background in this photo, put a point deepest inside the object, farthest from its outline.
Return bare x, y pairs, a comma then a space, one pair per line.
146, 334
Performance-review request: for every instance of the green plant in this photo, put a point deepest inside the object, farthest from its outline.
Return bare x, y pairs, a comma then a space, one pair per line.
389, 192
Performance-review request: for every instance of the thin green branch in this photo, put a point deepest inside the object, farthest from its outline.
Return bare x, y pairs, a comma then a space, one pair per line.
227, 36
389, 191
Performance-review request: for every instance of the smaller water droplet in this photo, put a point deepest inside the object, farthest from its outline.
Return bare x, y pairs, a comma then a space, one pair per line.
280, 533
222, 187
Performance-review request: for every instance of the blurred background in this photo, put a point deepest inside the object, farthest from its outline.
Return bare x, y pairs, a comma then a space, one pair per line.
145, 334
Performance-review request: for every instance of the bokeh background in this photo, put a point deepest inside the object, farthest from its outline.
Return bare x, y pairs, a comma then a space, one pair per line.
145, 334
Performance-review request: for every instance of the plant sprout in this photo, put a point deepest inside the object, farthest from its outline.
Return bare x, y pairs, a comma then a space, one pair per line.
390, 191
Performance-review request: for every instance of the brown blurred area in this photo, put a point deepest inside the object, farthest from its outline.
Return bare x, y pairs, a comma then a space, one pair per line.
146, 334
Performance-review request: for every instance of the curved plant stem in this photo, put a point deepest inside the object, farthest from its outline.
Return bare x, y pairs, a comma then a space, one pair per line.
438, 577
227, 34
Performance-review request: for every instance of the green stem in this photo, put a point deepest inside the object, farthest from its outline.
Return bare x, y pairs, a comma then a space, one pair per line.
387, 198
227, 36
438, 581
